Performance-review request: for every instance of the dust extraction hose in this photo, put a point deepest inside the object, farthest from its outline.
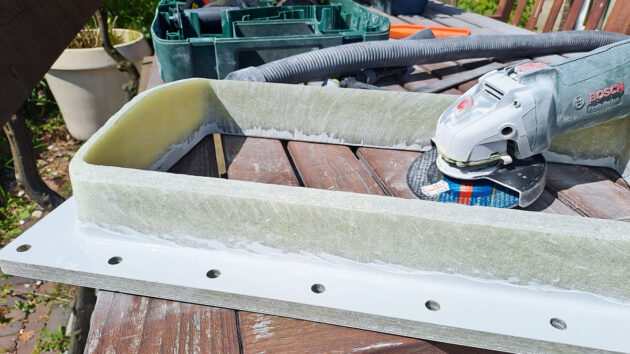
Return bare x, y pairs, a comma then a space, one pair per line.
351, 58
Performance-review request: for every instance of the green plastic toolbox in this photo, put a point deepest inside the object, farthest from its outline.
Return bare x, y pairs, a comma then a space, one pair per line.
187, 47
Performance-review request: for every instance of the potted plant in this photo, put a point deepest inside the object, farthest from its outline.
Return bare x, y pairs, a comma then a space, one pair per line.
86, 82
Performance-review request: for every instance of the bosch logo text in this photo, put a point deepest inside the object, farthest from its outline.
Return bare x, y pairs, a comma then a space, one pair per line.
608, 91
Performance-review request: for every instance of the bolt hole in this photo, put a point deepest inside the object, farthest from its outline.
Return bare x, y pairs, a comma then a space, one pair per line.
507, 131
23, 248
114, 260
318, 288
558, 324
432, 305
213, 273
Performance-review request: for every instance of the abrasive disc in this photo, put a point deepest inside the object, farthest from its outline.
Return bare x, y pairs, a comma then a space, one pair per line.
427, 182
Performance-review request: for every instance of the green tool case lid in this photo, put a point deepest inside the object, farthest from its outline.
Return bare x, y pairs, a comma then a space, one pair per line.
212, 42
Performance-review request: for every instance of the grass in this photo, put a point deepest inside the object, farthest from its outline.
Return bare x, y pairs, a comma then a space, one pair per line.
57, 341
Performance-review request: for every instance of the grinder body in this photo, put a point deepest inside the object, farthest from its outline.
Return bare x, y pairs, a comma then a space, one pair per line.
519, 110
489, 142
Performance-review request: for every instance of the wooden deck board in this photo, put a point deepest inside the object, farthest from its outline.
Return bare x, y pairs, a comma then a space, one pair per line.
589, 192
418, 77
199, 161
331, 167
258, 160
389, 167
272, 334
125, 323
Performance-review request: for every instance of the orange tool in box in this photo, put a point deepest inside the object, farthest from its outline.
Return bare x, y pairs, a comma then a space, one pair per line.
398, 31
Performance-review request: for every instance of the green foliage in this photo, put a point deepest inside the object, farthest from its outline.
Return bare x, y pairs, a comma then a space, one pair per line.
526, 13
483, 7
25, 306
53, 341
136, 15
13, 212
489, 7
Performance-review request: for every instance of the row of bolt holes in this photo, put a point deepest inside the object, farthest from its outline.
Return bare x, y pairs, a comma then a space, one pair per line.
316, 288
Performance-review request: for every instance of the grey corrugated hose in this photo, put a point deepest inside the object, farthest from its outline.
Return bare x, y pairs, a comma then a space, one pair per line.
351, 58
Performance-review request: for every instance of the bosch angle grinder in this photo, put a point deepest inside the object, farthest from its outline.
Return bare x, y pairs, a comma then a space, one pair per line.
488, 143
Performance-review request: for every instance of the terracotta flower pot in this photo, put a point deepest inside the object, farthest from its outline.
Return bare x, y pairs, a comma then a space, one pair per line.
88, 87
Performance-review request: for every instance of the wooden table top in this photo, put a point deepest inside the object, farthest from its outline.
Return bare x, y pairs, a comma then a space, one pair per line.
129, 323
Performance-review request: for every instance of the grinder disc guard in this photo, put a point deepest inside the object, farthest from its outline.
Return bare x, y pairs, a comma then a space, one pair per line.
519, 183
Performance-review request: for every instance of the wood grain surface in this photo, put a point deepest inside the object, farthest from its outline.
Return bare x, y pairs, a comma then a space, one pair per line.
589, 192
389, 167
331, 167
258, 160
619, 18
201, 160
273, 334
126, 323
595, 14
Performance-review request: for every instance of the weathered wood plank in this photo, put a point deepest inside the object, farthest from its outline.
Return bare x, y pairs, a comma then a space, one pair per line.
418, 77
389, 167
257, 160
553, 15
392, 19
588, 192
574, 12
331, 167
613, 176
34, 34
420, 20
272, 334
124, 323
535, 13
444, 69
503, 10
548, 203
518, 13
597, 10
467, 85
201, 160
619, 18
390, 85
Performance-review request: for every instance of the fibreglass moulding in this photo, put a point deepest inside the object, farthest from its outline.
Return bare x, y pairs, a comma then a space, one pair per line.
525, 263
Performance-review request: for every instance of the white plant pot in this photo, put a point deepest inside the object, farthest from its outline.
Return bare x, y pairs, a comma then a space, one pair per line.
88, 87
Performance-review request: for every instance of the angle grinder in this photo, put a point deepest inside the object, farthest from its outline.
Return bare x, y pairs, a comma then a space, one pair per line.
488, 144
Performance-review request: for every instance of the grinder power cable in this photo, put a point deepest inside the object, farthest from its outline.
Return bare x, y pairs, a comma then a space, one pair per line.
488, 144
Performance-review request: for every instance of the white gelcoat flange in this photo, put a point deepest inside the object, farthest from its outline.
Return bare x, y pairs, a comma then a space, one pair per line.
79, 254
